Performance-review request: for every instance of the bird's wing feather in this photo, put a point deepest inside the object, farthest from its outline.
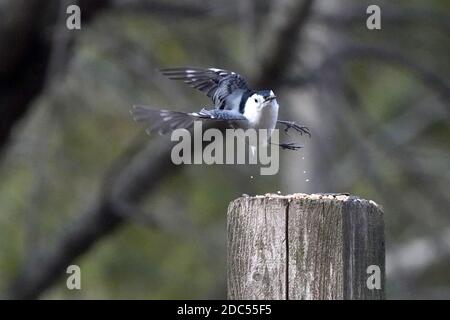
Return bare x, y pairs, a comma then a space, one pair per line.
217, 84
165, 121
224, 115
161, 121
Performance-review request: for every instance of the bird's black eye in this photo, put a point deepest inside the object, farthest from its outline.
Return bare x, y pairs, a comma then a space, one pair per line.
256, 100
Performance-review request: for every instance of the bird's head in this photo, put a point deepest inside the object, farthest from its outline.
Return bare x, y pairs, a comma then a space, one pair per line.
259, 100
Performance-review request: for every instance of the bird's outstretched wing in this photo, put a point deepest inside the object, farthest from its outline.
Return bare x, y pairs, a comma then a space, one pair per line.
217, 84
165, 121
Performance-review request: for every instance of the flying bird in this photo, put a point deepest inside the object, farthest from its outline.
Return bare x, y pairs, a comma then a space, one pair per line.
234, 104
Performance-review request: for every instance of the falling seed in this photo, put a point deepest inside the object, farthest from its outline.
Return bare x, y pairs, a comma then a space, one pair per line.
251, 177
307, 180
304, 171
279, 192
303, 158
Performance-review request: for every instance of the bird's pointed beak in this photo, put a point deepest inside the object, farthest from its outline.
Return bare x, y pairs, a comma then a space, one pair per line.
270, 98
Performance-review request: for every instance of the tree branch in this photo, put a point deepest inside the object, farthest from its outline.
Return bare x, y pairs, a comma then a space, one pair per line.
138, 175
24, 65
429, 78
282, 47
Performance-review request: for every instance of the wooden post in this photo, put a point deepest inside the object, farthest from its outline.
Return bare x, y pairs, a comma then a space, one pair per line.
319, 246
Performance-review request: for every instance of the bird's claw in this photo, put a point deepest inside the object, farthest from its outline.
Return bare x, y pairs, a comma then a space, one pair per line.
290, 146
292, 125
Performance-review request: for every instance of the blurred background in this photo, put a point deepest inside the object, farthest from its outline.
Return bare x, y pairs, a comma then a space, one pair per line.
81, 183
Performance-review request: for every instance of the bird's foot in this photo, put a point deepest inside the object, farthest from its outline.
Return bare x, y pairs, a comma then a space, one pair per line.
289, 146
292, 125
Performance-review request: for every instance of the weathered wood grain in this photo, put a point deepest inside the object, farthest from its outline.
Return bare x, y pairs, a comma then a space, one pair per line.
256, 249
315, 249
304, 247
363, 231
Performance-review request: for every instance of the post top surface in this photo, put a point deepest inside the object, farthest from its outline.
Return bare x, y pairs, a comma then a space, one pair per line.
344, 197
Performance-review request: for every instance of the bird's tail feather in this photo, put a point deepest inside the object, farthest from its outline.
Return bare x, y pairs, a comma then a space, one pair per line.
162, 121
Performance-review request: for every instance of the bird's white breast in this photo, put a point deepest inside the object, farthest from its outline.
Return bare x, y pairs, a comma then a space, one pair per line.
263, 118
